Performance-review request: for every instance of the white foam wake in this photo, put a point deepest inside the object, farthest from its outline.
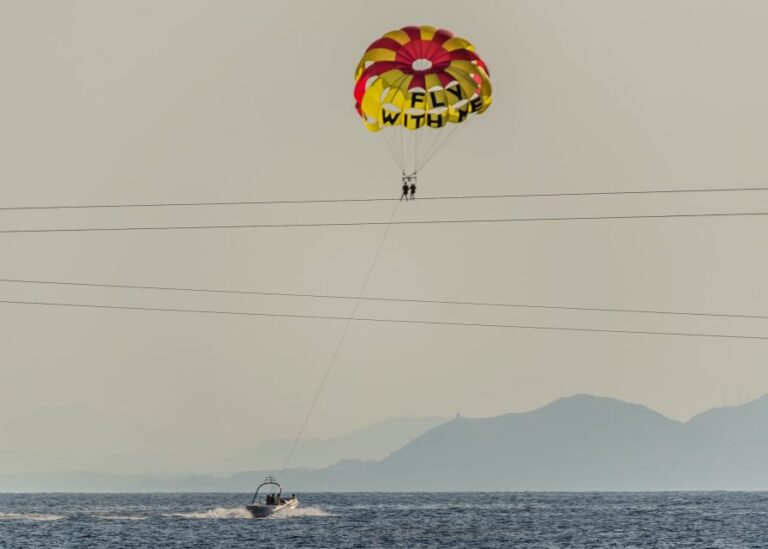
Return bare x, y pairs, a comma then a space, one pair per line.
302, 512
217, 513
121, 517
29, 516
242, 513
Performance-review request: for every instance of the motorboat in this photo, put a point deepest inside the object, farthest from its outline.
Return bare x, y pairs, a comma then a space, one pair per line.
273, 501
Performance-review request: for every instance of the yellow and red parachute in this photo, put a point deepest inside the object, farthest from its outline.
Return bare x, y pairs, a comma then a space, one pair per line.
419, 80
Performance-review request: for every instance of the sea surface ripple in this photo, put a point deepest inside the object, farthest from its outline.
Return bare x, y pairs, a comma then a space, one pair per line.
362, 520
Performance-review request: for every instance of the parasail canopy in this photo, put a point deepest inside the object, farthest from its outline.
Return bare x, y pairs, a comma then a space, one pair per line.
415, 86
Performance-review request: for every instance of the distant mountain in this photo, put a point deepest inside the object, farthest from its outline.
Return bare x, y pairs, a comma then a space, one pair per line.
579, 443
88, 437
373, 442
731, 444
106, 445
585, 443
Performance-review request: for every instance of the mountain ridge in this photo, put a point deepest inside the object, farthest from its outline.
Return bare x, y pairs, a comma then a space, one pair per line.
576, 443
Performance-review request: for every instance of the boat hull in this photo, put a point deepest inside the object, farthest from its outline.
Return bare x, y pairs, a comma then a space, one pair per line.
263, 511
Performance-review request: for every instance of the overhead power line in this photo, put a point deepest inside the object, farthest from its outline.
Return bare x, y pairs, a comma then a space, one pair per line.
388, 299
379, 223
380, 199
387, 320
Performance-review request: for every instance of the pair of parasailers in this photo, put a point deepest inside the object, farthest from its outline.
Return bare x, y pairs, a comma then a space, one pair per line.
409, 185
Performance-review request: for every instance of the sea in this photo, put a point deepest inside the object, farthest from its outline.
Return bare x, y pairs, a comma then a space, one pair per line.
390, 520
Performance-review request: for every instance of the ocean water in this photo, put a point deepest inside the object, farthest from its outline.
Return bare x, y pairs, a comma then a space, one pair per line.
476, 520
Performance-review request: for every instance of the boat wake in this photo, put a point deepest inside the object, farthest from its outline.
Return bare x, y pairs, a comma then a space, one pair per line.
217, 513
29, 516
301, 512
242, 513
121, 517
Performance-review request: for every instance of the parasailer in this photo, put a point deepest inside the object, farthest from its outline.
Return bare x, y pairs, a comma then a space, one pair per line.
415, 87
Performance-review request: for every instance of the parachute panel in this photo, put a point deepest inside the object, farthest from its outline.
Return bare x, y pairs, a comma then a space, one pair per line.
413, 83
406, 78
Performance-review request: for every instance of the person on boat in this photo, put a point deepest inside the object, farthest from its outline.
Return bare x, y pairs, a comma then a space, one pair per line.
405, 187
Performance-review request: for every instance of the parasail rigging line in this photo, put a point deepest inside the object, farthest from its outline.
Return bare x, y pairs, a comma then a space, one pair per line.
390, 148
441, 141
340, 344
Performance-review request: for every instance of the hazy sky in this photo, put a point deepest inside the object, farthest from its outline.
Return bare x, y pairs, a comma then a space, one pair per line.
143, 101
